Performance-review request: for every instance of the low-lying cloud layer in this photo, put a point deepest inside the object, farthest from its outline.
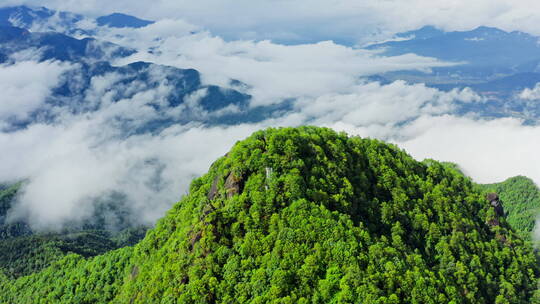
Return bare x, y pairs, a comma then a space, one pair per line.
272, 71
69, 168
25, 85
488, 150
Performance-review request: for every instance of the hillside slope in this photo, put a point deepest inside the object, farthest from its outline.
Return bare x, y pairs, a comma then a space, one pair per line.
307, 215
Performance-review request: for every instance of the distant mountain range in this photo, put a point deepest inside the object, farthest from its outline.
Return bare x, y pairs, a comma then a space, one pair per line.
496, 64
138, 77
58, 46
488, 48
480, 55
27, 17
93, 59
122, 20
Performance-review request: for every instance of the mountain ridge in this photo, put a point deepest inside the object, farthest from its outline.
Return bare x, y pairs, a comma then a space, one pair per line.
58, 46
29, 16
498, 65
482, 46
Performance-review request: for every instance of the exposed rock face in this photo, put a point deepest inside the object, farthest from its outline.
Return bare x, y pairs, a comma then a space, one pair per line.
232, 185
492, 197
494, 201
134, 272
214, 189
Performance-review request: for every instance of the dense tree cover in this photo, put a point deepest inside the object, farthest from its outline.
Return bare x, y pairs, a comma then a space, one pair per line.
28, 254
71, 280
307, 215
521, 200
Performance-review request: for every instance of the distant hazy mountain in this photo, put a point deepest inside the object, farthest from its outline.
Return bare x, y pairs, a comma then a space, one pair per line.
58, 46
23, 16
42, 19
496, 64
481, 55
185, 98
139, 77
93, 60
46, 19
483, 46
122, 20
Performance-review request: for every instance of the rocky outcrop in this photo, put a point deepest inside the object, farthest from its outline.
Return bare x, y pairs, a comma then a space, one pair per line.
213, 189
495, 203
233, 185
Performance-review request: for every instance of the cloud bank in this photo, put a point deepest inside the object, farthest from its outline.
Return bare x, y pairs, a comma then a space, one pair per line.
69, 168
489, 150
272, 71
25, 85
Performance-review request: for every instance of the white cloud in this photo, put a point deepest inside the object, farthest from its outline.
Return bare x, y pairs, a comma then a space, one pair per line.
82, 157
69, 166
273, 71
374, 104
530, 94
489, 151
25, 85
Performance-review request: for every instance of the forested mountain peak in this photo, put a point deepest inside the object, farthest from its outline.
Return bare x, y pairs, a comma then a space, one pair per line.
308, 215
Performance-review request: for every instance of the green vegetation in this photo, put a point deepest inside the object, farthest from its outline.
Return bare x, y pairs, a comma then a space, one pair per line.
307, 215
521, 200
70, 280
28, 254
